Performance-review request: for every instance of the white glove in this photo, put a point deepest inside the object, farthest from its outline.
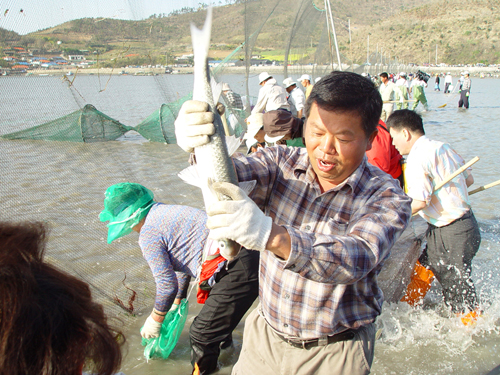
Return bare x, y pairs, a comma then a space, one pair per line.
193, 125
239, 219
151, 328
174, 307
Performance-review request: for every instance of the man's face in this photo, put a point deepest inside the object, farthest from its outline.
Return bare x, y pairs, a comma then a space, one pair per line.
384, 79
304, 82
400, 140
336, 144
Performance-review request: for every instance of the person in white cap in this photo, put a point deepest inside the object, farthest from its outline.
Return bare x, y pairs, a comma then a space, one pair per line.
271, 95
305, 79
255, 127
317, 79
401, 91
448, 81
465, 91
296, 97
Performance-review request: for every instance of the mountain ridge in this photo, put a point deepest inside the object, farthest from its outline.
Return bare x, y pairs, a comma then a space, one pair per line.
463, 33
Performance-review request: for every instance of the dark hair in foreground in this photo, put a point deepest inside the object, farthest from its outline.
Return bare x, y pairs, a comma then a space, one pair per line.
345, 92
48, 322
406, 119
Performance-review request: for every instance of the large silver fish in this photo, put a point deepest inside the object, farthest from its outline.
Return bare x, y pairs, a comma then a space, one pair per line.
213, 159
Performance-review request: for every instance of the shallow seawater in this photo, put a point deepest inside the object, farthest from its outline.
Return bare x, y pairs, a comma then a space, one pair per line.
63, 184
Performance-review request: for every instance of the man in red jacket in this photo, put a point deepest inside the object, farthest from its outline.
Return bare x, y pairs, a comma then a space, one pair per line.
384, 155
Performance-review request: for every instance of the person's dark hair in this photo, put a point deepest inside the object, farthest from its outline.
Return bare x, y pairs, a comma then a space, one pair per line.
406, 119
345, 92
48, 322
384, 74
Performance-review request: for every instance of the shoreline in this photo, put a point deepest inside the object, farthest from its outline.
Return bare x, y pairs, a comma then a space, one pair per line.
254, 70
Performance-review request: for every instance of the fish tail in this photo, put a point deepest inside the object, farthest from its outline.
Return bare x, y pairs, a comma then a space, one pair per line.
201, 38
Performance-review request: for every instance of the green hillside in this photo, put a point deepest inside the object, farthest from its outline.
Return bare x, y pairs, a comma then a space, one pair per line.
407, 29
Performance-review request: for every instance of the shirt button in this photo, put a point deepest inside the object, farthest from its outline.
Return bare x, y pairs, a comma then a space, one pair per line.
285, 325
308, 227
287, 296
292, 266
318, 199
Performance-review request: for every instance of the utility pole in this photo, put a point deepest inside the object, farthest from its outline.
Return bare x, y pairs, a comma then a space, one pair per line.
368, 50
436, 54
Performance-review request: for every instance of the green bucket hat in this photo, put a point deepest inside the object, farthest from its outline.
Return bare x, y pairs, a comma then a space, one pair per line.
125, 205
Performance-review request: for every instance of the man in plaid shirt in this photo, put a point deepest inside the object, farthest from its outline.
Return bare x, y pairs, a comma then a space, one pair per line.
324, 221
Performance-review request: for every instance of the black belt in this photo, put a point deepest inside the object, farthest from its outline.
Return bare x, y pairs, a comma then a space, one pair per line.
307, 344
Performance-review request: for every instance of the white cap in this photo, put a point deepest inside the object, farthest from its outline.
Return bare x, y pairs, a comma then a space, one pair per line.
317, 79
305, 77
402, 74
273, 139
448, 73
225, 87
263, 76
287, 82
250, 142
466, 73
254, 123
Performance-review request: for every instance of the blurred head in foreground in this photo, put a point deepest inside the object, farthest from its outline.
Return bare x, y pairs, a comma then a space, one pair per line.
48, 322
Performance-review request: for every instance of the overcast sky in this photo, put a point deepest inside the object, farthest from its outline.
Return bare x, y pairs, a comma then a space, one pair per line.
25, 16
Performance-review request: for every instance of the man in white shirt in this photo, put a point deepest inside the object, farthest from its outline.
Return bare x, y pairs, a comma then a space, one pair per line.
453, 236
271, 95
386, 90
305, 80
448, 81
296, 97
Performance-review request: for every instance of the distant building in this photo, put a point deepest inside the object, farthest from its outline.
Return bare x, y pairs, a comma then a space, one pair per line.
214, 63
76, 57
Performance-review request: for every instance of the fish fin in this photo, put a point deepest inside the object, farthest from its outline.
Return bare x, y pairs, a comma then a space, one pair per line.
247, 186
201, 38
232, 143
190, 175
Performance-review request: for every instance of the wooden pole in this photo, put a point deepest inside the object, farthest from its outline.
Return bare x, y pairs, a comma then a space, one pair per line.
484, 187
453, 175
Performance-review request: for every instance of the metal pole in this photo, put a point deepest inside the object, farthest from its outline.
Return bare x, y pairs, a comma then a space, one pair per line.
368, 50
334, 35
329, 34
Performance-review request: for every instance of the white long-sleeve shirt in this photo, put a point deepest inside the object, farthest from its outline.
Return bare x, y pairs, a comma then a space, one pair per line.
271, 96
297, 99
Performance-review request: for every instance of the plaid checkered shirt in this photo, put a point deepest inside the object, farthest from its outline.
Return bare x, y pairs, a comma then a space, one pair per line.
339, 241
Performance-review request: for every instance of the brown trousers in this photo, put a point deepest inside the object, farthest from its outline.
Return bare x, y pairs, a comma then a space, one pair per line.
264, 353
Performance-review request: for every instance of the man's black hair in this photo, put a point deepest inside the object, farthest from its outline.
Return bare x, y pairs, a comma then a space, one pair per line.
348, 92
406, 119
384, 74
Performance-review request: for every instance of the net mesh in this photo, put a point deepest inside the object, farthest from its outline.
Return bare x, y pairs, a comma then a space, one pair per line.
84, 125
63, 183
